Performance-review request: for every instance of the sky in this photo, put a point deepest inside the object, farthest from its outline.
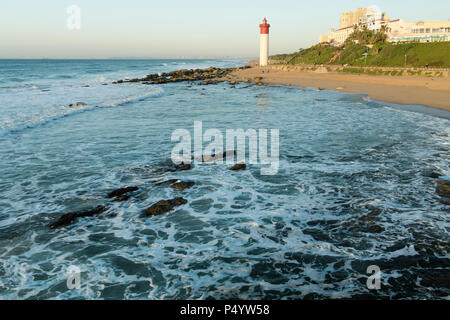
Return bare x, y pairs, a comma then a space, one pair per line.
181, 28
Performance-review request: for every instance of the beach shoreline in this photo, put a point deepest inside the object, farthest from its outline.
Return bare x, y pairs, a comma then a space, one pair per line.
431, 92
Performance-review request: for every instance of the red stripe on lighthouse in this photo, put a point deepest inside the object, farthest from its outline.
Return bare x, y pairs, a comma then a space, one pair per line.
264, 27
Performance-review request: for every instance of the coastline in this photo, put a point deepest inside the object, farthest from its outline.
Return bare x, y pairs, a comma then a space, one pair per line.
405, 90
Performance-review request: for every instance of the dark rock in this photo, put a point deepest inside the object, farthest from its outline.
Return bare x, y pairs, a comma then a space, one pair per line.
215, 157
183, 167
122, 198
171, 181
122, 191
239, 166
432, 174
208, 76
376, 228
77, 105
90, 213
169, 166
163, 206
64, 220
180, 186
177, 201
443, 188
68, 218
158, 208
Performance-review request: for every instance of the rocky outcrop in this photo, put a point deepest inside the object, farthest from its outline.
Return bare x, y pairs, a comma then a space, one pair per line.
163, 206
210, 75
69, 218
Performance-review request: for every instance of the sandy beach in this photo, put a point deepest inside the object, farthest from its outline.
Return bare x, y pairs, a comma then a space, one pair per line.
406, 90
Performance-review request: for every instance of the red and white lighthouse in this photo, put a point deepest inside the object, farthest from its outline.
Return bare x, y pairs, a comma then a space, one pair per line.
264, 44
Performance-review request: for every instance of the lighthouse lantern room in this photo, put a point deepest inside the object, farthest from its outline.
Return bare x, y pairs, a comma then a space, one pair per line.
264, 44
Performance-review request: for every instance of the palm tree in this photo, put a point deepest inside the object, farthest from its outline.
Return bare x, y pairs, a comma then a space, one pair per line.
385, 29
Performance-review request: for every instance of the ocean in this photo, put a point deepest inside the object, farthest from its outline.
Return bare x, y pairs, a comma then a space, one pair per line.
356, 187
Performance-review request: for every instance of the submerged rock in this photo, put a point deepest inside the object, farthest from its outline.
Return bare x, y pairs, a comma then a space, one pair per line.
177, 201
239, 166
163, 206
158, 208
77, 105
171, 181
183, 166
180, 186
216, 157
68, 218
121, 198
170, 166
443, 188
431, 174
122, 191
64, 220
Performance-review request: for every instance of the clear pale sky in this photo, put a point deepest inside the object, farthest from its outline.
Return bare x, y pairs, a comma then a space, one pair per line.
180, 28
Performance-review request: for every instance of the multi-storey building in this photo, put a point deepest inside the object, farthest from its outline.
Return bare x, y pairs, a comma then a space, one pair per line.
398, 30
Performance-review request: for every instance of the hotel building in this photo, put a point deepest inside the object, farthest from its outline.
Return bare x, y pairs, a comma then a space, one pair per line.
399, 30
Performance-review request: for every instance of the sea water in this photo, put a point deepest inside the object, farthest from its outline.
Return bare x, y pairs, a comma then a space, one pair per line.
355, 188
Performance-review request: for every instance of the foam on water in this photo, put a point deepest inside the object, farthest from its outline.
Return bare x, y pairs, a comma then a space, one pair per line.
352, 190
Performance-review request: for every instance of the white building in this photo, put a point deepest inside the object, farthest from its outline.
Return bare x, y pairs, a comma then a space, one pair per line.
399, 30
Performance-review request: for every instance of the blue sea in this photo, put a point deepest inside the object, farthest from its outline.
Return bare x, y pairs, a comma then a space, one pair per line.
356, 187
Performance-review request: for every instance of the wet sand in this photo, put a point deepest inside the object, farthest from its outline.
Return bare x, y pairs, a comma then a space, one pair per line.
407, 90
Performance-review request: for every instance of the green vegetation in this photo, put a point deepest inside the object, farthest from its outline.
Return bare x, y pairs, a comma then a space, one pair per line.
356, 70
319, 54
367, 48
363, 35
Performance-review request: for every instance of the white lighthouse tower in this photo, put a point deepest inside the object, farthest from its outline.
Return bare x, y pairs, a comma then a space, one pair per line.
264, 44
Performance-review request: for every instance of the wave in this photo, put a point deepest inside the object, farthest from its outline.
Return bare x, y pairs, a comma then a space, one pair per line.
134, 98
67, 110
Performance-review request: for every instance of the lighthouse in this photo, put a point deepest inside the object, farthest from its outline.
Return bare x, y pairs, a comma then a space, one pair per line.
264, 44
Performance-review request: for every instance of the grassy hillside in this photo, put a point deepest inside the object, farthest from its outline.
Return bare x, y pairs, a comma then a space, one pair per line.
436, 54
